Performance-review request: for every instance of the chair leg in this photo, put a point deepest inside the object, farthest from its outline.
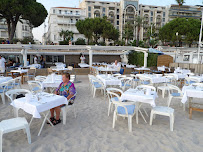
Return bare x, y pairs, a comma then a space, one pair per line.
28, 133
171, 122
114, 119
151, 117
109, 108
190, 113
15, 110
169, 100
3, 98
183, 106
130, 123
163, 93
94, 93
1, 140
64, 115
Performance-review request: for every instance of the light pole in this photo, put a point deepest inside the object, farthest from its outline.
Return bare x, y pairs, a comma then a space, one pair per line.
176, 46
200, 37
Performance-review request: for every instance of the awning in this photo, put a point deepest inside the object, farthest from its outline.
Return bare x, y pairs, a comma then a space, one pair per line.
151, 50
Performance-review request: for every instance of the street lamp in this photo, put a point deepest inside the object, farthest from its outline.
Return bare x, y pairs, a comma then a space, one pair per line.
200, 37
176, 46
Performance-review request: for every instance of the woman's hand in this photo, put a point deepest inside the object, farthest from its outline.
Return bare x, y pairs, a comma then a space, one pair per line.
70, 96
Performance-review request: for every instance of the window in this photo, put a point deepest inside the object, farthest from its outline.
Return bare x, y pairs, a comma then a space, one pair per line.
104, 9
89, 14
71, 20
117, 16
117, 22
186, 58
151, 19
66, 12
76, 12
54, 11
117, 27
76, 20
164, 14
103, 15
163, 19
151, 13
71, 12
89, 8
48, 58
117, 10
59, 11
61, 58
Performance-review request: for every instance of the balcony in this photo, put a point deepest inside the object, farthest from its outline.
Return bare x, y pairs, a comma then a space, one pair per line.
65, 23
69, 15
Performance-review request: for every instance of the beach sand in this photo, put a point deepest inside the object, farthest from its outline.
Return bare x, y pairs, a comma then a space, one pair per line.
92, 130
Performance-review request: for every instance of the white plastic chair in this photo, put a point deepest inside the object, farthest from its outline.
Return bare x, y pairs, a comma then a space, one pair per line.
121, 76
35, 86
10, 85
124, 109
144, 81
126, 82
11, 94
64, 110
165, 111
189, 81
97, 85
3, 89
165, 87
136, 80
174, 92
112, 97
17, 83
40, 78
12, 125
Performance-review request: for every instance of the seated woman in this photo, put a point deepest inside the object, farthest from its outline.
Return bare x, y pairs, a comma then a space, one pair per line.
66, 89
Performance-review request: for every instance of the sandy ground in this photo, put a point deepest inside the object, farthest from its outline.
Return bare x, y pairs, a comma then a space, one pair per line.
92, 130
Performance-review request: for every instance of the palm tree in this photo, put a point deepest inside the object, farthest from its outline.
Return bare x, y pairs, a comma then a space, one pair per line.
128, 32
138, 24
66, 35
180, 3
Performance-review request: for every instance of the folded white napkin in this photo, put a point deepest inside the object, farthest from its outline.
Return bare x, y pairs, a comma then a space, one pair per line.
28, 97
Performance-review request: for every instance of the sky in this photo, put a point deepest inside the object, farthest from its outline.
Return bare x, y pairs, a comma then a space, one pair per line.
39, 31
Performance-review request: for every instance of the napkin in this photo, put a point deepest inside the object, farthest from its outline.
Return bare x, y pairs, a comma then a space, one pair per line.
28, 97
148, 91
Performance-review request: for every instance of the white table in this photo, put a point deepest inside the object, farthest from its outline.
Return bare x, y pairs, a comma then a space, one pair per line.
193, 92
108, 69
47, 102
182, 71
178, 75
83, 65
5, 79
21, 71
162, 68
154, 78
61, 69
139, 97
38, 66
198, 78
109, 80
52, 81
142, 69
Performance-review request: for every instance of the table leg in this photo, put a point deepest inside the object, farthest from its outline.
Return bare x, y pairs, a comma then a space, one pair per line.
45, 118
22, 78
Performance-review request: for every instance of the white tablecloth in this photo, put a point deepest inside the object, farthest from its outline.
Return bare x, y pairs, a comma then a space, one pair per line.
52, 81
20, 71
83, 65
190, 91
109, 80
61, 69
38, 66
108, 69
178, 75
36, 107
5, 79
198, 78
182, 71
145, 69
154, 78
139, 96
163, 68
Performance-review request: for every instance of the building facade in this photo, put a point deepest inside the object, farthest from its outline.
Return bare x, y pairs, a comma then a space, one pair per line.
156, 16
23, 29
63, 18
184, 11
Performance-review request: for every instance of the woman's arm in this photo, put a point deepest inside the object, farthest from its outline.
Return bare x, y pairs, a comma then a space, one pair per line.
70, 96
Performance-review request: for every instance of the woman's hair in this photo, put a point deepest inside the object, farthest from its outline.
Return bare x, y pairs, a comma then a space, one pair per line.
67, 75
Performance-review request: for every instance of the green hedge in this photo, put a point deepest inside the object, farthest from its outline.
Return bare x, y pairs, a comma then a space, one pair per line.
137, 58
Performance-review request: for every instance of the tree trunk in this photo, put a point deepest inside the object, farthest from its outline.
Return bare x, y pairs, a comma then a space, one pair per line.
12, 27
138, 32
